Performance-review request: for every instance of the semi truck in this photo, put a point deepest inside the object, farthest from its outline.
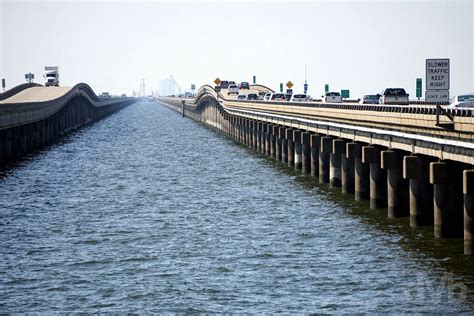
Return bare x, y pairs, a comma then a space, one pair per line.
51, 75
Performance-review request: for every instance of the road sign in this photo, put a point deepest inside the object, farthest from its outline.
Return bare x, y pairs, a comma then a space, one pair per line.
305, 88
289, 84
217, 81
345, 94
437, 74
254, 79
193, 86
29, 77
3, 84
217, 88
419, 87
326, 88
437, 96
281, 87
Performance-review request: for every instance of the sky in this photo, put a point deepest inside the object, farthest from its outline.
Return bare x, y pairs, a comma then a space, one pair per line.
363, 46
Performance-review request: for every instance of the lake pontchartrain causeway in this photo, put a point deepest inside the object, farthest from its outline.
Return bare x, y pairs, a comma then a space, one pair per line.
148, 211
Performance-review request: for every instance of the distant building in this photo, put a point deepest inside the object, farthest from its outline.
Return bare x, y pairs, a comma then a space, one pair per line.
167, 87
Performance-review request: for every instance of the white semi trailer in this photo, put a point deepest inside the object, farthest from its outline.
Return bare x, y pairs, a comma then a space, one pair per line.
51, 75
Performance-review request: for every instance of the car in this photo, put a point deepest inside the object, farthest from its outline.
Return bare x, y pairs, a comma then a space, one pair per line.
244, 85
261, 95
224, 84
277, 97
232, 89
464, 101
394, 96
267, 96
241, 97
252, 96
332, 97
370, 99
300, 98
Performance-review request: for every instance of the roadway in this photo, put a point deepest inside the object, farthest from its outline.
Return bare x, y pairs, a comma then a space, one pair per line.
37, 94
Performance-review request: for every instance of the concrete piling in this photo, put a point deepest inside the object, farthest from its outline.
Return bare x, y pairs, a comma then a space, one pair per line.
273, 141
298, 150
416, 171
279, 144
326, 149
468, 191
377, 175
397, 186
290, 147
305, 152
338, 149
315, 143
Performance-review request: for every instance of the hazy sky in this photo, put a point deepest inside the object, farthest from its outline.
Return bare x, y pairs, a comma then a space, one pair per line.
363, 46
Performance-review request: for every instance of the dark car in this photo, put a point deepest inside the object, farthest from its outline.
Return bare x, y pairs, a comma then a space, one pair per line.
252, 96
224, 84
244, 85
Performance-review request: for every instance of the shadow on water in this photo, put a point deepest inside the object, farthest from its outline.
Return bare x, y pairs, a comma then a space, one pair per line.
420, 243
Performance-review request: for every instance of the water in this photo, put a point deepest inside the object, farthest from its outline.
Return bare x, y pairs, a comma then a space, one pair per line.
148, 212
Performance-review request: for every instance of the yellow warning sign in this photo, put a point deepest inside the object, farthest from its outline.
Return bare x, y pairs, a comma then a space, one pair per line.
217, 81
289, 84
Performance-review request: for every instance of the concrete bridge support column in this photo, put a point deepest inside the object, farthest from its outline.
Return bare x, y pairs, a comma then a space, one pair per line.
259, 136
273, 140
397, 186
263, 150
291, 147
335, 176
416, 171
305, 152
315, 143
284, 146
468, 191
378, 177
361, 172
268, 144
448, 209
298, 150
347, 172
324, 154
247, 132
254, 134
279, 143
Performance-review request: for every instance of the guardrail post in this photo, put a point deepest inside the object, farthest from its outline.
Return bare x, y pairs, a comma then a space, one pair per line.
326, 149
378, 177
468, 191
416, 170
305, 152
298, 149
397, 186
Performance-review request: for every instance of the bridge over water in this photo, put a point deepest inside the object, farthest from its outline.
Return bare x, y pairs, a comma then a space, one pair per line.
33, 116
405, 159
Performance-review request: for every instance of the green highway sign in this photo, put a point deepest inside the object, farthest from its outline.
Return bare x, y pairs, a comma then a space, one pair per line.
254, 79
326, 88
345, 94
418, 87
281, 87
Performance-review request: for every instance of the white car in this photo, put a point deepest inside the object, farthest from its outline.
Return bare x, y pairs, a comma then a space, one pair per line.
301, 98
241, 97
332, 97
396, 96
232, 89
267, 96
465, 101
261, 95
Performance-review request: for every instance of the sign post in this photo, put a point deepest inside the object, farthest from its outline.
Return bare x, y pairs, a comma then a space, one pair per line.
326, 88
305, 88
3, 84
418, 87
193, 87
281, 87
217, 81
254, 79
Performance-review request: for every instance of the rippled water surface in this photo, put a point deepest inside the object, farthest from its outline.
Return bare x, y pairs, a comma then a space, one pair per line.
147, 211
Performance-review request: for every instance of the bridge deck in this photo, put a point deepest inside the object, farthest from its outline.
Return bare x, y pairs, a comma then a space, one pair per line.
37, 94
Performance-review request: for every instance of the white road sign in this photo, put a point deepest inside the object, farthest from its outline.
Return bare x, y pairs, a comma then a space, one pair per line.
437, 74
437, 96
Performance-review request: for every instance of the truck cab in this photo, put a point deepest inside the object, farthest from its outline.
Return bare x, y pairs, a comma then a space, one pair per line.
51, 76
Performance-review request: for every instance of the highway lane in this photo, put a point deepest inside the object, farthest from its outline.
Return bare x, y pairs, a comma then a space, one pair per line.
37, 94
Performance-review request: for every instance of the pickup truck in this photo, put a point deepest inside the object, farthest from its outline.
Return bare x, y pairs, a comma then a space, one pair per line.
232, 89
394, 96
